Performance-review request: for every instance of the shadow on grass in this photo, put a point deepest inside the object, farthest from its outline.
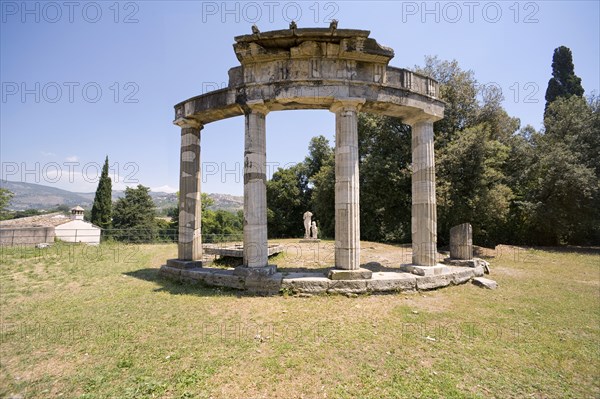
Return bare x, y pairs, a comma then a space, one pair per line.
178, 288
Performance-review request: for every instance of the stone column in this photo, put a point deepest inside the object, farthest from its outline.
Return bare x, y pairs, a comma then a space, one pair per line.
255, 187
190, 204
424, 215
347, 195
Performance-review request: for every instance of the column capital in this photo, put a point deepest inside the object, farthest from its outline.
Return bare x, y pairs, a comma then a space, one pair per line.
257, 106
419, 118
188, 123
347, 104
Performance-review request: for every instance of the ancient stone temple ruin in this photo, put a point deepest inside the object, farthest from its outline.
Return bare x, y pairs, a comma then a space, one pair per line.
340, 70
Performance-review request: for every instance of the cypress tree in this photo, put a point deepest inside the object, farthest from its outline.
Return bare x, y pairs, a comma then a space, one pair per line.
564, 82
102, 208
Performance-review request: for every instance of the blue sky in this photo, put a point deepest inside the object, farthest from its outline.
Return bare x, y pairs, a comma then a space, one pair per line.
82, 80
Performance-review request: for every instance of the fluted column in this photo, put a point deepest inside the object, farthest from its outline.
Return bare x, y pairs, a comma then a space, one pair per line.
347, 194
190, 204
424, 215
255, 187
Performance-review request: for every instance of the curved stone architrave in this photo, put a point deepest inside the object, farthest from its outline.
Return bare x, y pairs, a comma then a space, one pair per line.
341, 70
309, 94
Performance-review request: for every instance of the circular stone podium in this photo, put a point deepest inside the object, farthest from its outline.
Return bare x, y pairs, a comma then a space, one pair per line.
341, 70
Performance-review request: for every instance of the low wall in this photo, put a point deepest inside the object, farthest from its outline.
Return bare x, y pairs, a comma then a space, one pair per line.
26, 235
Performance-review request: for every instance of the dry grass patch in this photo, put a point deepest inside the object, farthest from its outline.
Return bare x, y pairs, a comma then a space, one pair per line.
107, 327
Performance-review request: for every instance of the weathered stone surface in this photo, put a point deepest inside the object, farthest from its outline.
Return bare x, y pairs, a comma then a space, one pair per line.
424, 215
484, 264
184, 264
307, 224
255, 271
478, 271
392, 282
485, 283
357, 274
475, 263
190, 204
461, 241
192, 274
264, 284
347, 208
169, 272
432, 282
347, 286
462, 276
306, 283
425, 270
255, 249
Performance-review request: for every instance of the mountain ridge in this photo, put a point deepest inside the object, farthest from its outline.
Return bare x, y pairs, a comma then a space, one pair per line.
38, 196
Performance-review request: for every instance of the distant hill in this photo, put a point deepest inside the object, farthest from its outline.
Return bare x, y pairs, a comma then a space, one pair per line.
37, 196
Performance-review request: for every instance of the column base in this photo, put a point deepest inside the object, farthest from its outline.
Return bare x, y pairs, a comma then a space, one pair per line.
356, 274
245, 271
425, 270
184, 264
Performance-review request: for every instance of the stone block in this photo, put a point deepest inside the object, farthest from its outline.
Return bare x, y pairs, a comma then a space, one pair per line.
263, 284
348, 287
478, 271
169, 272
184, 264
191, 275
461, 241
485, 283
425, 283
391, 282
462, 276
356, 274
425, 270
311, 285
225, 278
245, 271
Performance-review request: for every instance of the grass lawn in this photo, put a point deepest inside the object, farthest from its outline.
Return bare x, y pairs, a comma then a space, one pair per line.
85, 322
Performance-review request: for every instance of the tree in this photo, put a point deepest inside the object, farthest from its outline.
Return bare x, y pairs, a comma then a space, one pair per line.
5, 197
102, 208
564, 82
385, 178
288, 197
221, 225
319, 152
134, 216
323, 198
472, 185
458, 88
472, 148
564, 189
290, 191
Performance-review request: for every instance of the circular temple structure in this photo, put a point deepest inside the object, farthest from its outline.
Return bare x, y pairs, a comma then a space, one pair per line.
346, 72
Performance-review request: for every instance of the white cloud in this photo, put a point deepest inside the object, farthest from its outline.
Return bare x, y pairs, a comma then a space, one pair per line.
164, 189
80, 181
47, 154
72, 158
